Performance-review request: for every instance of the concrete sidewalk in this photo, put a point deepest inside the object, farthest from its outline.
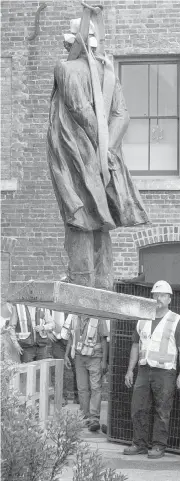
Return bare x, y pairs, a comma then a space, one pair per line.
138, 468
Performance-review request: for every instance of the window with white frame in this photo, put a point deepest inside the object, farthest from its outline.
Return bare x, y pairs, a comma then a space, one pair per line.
151, 90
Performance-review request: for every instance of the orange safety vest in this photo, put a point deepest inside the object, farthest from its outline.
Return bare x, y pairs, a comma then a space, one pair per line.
159, 349
27, 318
85, 344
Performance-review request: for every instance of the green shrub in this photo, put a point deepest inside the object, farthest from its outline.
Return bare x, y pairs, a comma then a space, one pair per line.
90, 467
30, 453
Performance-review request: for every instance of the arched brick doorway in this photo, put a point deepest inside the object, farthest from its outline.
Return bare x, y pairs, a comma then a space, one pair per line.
160, 261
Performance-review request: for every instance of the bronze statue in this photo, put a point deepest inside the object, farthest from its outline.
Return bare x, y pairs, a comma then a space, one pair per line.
87, 122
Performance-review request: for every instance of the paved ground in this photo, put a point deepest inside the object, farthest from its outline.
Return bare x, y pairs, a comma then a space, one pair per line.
139, 469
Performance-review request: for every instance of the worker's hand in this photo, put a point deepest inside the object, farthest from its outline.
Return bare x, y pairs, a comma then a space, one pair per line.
67, 362
178, 382
104, 367
39, 328
129, 378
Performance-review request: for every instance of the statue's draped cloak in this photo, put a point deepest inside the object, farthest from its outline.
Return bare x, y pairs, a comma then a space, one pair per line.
75, 170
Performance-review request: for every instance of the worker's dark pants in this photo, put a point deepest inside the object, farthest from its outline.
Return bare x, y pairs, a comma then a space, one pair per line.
157, 386
59, 349
36, 352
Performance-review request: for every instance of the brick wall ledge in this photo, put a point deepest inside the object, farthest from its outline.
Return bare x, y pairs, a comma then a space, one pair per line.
157, 183
9, 184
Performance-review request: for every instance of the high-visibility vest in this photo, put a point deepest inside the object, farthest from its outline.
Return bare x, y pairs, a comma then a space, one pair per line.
85, 344
62, 326
24, 327
28, 318
159, 349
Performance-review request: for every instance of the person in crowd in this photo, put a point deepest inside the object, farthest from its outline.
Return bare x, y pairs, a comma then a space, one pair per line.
30, 328
60, 336
155, 347
88, 344
9, 344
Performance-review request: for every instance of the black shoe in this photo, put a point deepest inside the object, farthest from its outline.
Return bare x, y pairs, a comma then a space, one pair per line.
94, 426
156, 452
104, 429
132, 450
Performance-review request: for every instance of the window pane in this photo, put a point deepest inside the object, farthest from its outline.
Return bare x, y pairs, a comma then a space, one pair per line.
134, 79
163, 86
135, 145
167, 90
163, 144
153, 89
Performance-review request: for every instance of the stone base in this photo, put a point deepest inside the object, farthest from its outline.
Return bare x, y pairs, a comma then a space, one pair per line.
64, 297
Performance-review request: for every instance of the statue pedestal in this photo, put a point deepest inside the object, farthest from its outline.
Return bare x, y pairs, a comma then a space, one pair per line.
64, 297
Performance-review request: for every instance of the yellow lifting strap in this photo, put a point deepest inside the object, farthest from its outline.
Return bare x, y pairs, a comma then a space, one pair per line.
77, 46
102, 100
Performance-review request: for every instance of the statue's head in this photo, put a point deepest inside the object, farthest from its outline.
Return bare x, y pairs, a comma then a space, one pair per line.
69, 38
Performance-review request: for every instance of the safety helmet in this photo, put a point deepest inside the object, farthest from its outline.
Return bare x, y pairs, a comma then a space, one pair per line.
162, 286
74, 29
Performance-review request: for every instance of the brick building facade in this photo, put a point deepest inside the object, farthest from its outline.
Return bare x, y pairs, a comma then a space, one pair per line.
139, 33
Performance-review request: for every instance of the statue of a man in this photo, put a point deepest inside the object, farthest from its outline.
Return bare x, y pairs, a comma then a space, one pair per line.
94, 190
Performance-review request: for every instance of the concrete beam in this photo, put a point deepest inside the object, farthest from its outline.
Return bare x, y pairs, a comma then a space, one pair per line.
61, 296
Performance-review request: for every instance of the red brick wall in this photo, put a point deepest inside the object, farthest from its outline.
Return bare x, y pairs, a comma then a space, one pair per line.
30, 215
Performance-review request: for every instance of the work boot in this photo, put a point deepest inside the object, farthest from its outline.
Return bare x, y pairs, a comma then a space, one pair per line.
94, 425
104, 429
156, 452
132, 450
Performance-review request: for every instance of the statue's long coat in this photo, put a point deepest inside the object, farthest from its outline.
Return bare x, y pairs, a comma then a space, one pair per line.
72, 139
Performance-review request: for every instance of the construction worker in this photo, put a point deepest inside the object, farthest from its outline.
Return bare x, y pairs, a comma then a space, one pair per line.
94, 190
155, 347
88, 345
61, 333
30, 327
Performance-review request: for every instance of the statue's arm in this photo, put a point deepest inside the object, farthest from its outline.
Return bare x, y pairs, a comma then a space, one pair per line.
119, 118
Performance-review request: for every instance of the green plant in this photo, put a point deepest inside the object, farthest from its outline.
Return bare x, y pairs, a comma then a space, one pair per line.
90, 467
28, 452
64, 432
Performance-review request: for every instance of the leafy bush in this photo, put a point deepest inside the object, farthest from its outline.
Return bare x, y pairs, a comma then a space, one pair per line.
30, 453
90, 467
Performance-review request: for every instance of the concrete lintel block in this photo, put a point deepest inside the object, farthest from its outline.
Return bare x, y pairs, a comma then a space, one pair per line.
64, 297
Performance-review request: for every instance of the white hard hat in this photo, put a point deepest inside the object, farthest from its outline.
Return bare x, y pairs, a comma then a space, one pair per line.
162, 286
74, 28
69, 37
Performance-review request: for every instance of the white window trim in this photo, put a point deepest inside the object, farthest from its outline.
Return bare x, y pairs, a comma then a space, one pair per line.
157, 183
150, 182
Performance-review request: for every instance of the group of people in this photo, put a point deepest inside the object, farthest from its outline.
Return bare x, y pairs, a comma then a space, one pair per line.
32, 334
35, 334
83, 344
